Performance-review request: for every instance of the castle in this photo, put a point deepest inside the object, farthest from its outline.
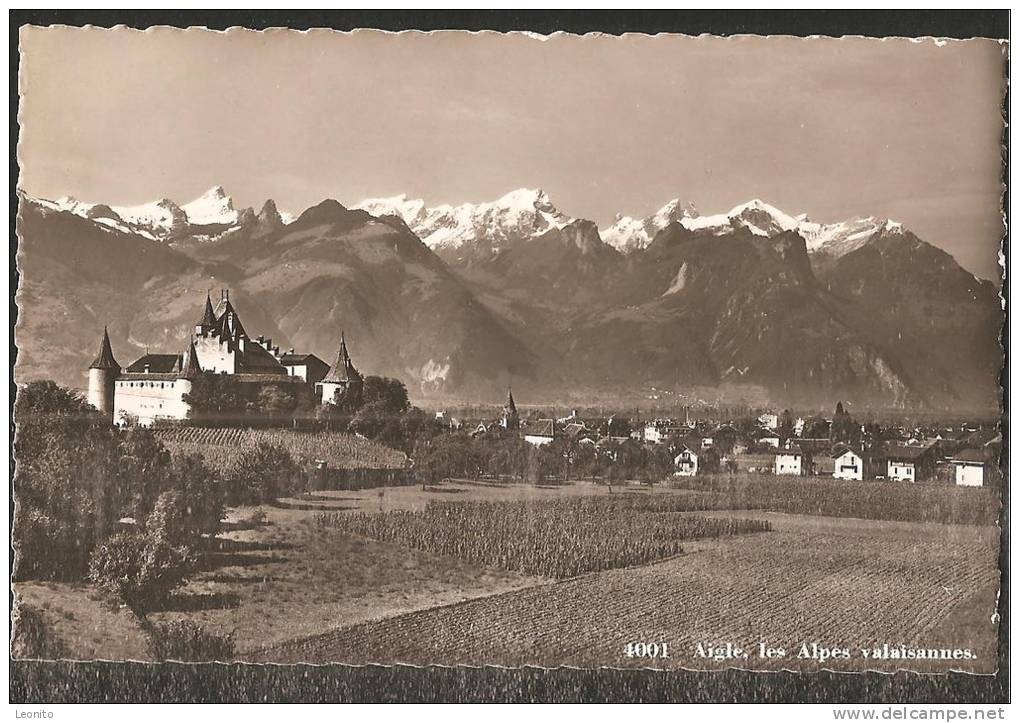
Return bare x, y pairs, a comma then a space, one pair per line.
153, 387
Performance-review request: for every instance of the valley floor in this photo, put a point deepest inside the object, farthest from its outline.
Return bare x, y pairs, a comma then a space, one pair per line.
835, 582
291, 591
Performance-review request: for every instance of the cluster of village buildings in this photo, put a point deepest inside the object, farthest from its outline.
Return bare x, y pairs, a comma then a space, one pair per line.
155, 388
965, 455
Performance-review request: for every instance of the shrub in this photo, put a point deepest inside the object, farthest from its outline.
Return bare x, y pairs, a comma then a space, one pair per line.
188, 641
33, 638
142, 568
264, 473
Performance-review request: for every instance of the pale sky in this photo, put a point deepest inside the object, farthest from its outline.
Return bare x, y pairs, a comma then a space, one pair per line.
829, 127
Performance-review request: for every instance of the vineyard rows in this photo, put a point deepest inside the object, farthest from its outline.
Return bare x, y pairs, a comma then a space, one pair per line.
874, 500
783, 588
558, 538
221, 445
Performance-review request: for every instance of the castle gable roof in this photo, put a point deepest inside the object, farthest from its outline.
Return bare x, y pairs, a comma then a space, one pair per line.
155, 364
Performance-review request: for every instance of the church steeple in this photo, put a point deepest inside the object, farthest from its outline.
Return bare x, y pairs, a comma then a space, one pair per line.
511, 419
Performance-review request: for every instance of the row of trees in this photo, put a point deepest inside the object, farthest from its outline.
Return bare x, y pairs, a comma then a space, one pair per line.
506, 455
77, 478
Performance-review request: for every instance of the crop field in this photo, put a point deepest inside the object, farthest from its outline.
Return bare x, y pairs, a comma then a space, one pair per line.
219, 446
874, 500
831, 582
558, 538
290, 578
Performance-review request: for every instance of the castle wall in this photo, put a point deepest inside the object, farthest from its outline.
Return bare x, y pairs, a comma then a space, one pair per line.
214, 356
148, 400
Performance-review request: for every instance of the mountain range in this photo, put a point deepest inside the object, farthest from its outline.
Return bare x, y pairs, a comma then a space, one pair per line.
461, 301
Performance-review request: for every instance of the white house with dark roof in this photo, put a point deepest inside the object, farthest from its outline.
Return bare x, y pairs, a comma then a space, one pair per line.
848, 463
791, 460
970, 468
685, 463
908, 463
540, 432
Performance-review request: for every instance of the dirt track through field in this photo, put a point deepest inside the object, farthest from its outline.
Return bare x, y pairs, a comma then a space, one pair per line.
851, 583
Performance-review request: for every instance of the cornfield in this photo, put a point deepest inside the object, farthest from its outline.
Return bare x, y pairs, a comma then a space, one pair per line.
219, 446
558, 539
873, 500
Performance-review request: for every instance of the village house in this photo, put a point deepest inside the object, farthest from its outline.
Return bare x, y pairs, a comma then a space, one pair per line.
659, 430
768, 439
910, 463
850, 464
969, 468
540, 432
685, 463
792, 460
769, 421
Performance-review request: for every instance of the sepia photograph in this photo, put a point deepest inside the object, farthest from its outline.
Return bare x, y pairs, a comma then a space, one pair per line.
635, 351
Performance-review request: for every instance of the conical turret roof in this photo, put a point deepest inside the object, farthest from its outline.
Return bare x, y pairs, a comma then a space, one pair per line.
343, 370
105, 358
190, 368
209, 316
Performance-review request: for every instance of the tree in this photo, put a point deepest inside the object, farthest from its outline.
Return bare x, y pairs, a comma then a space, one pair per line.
66, 482
144, 567
390, 392
657, 466
785, 428
843, 428
275, 403
618, 427
201, 495
217, 399
261, 474
373, 418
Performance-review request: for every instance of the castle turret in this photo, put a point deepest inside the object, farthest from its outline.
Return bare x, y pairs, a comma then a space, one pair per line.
342, 377
103, 373
208, 320
190, 368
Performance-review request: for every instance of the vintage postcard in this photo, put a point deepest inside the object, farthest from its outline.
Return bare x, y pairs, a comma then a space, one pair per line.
464, 349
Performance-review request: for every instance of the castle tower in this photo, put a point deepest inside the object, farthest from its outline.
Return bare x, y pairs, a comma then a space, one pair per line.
341, 377
103, 373
208, 320
190, 368
510, 420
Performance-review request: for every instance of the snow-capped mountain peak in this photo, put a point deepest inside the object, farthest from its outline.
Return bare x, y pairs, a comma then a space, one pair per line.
628, 234
520, 214
412, 211
165, 219
212, 207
